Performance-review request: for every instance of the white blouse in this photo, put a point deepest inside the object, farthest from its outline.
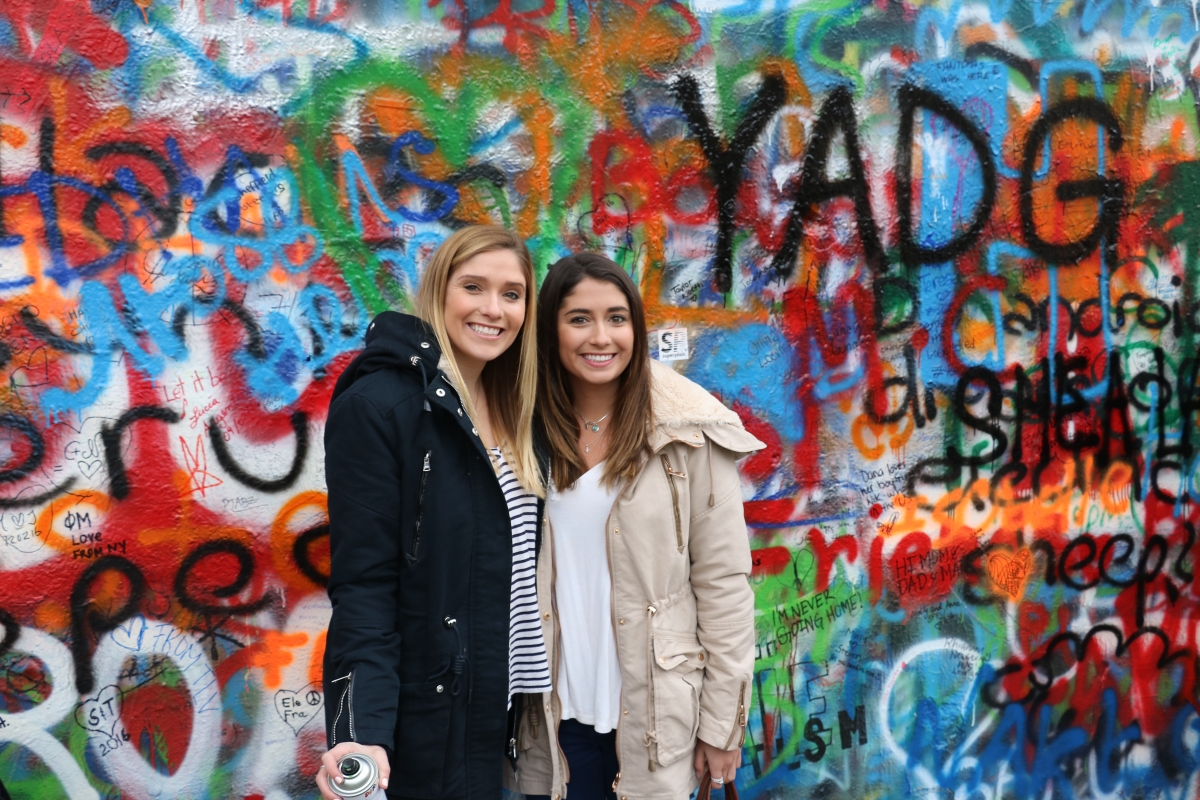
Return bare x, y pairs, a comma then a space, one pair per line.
589, 675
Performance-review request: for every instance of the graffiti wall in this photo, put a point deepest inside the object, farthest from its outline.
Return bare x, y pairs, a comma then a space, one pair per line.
941, 256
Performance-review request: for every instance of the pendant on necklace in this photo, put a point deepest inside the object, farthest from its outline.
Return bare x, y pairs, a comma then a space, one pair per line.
595, 427
587, 448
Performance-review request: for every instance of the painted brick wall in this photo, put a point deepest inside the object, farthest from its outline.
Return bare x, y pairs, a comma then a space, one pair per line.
941, 257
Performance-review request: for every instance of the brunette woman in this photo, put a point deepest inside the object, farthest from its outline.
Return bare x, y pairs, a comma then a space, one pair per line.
433, 515
643, 577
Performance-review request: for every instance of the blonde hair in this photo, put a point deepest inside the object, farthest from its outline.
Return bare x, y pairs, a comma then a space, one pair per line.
510, 379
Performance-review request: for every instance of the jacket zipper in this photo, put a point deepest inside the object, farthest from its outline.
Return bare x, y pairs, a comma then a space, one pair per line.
514, 727
341, 703
651, 720
740, 724
416, 546
350, 708
666, 462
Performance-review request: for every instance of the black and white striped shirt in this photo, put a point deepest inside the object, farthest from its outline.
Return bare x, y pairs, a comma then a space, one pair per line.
528, 667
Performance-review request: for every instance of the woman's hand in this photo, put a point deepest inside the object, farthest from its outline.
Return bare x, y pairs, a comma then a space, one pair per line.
721, 764
329, 766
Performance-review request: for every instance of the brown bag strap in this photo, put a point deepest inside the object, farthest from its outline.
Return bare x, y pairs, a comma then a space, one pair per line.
706, 786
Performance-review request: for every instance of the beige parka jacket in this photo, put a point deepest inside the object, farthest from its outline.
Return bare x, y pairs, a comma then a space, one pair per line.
682, 608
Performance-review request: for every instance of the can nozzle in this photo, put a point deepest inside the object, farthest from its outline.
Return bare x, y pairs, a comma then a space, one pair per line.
360, 776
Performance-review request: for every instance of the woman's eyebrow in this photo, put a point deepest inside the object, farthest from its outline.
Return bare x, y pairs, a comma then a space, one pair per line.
589, 311
482, 279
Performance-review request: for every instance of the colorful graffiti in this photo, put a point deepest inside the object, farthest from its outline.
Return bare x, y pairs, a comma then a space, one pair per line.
941, 256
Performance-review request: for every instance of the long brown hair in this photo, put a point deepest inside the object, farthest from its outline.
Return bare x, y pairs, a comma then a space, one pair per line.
510, 379
631, 418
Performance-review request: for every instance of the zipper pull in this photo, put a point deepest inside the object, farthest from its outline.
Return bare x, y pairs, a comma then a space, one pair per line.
425, 467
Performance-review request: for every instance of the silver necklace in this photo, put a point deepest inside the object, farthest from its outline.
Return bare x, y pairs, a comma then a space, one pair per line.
595, 426
587, 446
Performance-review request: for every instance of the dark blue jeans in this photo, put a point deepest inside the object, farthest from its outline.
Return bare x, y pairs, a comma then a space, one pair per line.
592, 759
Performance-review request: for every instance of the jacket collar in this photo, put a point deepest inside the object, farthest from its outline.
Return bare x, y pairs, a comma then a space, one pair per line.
685, 412
443, 391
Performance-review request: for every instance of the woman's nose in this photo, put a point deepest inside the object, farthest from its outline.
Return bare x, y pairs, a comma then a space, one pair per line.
491, 306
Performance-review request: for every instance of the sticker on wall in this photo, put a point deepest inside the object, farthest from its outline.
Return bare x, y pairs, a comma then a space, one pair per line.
672, 344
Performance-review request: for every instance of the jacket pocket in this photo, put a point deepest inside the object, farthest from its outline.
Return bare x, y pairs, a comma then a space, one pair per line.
413, 553
678, 674
422, 737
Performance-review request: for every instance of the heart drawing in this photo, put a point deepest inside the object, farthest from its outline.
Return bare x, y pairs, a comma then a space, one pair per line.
1009, 572
298, 709
101, 713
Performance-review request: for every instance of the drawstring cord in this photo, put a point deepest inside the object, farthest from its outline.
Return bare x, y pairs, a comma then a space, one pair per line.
459, 662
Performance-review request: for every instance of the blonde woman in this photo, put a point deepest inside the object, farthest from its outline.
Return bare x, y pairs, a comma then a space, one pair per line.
643, 575
434, 505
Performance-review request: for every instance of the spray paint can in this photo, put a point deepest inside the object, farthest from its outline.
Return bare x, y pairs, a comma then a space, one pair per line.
360, 777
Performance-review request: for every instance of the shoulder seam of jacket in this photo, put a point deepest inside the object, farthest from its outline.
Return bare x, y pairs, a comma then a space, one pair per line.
373, 404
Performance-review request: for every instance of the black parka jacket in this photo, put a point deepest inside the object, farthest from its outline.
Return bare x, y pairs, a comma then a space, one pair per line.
416, 658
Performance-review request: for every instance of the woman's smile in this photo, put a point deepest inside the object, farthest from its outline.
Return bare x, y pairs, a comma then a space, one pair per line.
486, 331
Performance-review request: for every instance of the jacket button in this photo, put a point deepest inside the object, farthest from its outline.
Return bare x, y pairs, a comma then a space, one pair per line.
460, 412
626, 711
439, 688
546, 615
617, 531
621, 621
474, 431
440, 392
701, 656
547, 708
425, 345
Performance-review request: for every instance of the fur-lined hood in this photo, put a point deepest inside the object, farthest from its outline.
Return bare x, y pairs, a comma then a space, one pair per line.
685, 412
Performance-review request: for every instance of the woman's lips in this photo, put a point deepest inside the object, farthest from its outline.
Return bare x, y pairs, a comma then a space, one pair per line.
485, 330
